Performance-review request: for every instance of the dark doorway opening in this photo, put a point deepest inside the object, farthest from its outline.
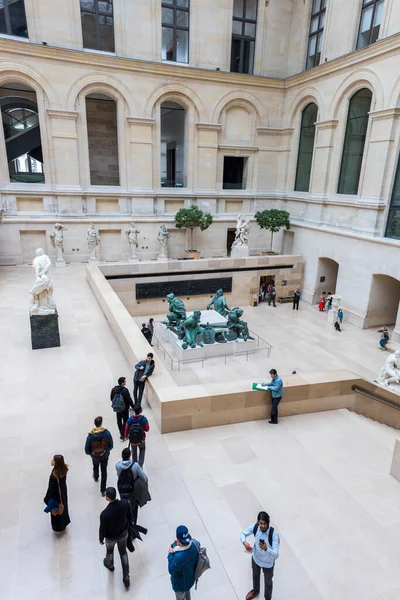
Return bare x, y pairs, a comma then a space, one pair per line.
233, 178
230, 238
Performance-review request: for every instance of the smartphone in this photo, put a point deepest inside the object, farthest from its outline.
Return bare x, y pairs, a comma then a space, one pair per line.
262, 540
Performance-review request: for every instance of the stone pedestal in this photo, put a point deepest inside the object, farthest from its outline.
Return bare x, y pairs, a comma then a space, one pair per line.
60, 262
240, 252
162, 258
133, 256
44, 331
331, 316
92, 256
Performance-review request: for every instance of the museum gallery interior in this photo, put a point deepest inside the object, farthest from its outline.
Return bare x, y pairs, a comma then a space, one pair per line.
231, 170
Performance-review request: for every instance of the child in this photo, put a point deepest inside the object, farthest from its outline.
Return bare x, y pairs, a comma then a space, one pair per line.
340, 315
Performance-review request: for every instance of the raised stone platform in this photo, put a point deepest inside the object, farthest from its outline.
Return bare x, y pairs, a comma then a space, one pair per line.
208, 350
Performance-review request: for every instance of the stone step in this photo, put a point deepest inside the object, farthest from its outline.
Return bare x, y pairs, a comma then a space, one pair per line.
378, 431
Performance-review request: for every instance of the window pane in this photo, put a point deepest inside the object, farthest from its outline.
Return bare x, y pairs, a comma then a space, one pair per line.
89, 30
106, 27
311, 52
105, 6
377, 22
168, 16
167, 43
88, 4
316, 6
322, 20
353, 149
2, 18
314, 25
182, 46
184, 3
248, 56
323, 4
366, 18
238, 8
251, 9
237, 27
250, 30
233, 173
17, 18
306, 148
182, 18
235, 55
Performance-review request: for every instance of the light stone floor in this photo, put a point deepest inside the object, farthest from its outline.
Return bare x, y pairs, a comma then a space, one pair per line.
302, 341
323, 477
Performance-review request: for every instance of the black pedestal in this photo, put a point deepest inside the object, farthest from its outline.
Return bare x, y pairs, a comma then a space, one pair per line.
44, 331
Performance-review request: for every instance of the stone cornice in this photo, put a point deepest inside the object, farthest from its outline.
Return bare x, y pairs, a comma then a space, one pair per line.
386, 113
63, 114
237, 149
139, 121
331, 124
209, 127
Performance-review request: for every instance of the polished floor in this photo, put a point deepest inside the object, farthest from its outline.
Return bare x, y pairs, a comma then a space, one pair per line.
324, 478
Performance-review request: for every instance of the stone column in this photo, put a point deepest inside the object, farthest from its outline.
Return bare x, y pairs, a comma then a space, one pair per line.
377, 153
140, 157
206, 172
65, 144
322, 160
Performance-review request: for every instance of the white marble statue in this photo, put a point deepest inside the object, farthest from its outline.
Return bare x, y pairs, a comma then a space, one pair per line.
242, 232
389, 376
93, 240
133, 239
57, 241
2, 211
41, 295
162, 238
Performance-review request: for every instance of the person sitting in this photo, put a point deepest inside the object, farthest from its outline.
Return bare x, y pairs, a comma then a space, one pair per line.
384, 336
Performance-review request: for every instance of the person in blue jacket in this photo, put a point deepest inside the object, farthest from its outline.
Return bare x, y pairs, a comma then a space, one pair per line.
99, 444
275, 386
182, 561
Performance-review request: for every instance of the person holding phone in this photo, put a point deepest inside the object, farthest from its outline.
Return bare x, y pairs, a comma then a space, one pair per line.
265, 552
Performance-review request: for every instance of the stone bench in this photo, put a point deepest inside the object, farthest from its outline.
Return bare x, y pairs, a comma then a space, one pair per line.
285, 299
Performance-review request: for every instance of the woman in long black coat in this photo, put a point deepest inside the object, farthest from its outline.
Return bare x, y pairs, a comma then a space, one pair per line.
57, 484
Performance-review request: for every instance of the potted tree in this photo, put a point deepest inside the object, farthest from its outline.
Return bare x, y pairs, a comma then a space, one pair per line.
274, 220
190, 218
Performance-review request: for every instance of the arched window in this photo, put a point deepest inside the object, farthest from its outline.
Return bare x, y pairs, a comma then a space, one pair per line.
101, 117
172, 145
354, 142
393, 222
306, 148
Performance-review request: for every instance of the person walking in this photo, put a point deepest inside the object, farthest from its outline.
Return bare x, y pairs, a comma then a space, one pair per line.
127, 472
150, 325
322, 301
135, 430
56, 498
99, 444
143, 370
384, 336
329, 300
265, 552
296, 299
182, 561
146, 332
114, 523
340, 315
272, 296
275, 386
121, 401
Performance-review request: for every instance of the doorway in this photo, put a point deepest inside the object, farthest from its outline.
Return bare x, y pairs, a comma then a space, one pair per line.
327, 274
230, 238
383, 304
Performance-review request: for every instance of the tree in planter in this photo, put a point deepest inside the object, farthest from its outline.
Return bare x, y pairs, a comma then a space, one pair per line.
190, 218
274, 220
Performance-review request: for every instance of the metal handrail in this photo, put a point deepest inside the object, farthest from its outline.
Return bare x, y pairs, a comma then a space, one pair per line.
372, 396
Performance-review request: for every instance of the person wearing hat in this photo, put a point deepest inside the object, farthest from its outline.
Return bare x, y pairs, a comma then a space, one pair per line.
182, 561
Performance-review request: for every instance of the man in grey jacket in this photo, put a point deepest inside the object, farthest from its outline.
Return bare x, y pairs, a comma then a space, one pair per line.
127, 472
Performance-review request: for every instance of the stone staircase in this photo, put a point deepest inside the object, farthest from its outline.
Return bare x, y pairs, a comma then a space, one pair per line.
382, 433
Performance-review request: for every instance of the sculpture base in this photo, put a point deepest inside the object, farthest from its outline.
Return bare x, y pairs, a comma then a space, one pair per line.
240, 252
44, 331
162, 258
331, 316
133, 259
60, 264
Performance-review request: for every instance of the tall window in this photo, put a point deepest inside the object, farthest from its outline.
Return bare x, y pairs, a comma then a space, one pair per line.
175, 30
354, 142
97, 24
13, 18
173, 117
306, 148
243, 36
316, 33
371, 18
393, 222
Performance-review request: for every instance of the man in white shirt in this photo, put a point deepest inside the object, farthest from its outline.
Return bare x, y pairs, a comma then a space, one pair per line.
264, 553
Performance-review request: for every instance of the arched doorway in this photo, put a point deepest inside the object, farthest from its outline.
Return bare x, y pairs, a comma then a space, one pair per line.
327, 274
383, 304
20, 119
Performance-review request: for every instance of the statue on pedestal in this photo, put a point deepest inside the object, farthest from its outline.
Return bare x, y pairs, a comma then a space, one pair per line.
236, 327
57, 241
389, 375
219, 302
93, 240
162, 238
193, 331
242, 232
41, 294
133, 240
177, 311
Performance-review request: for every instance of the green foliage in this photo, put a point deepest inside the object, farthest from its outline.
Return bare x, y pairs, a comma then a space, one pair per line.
190, 218
273, 220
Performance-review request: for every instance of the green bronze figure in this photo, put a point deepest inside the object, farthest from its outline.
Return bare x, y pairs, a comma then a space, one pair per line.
220, 304
209, 334
236, 327
193, 331
177, 311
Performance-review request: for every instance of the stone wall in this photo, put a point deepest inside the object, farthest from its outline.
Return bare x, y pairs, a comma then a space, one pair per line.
101, 117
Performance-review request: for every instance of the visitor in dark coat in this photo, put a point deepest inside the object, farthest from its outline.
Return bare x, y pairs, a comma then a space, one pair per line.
57, 491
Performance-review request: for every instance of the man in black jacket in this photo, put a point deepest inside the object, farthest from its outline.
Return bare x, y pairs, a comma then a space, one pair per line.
143, 370
99, 444
114, 521
122, 416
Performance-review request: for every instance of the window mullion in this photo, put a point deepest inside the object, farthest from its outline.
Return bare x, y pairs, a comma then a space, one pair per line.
371, 31
7, 18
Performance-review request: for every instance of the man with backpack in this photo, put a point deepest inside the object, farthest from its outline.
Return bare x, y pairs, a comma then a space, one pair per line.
121, 401
135, 430
143, 370
265, 551
127, 472
183, 555
98, 445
